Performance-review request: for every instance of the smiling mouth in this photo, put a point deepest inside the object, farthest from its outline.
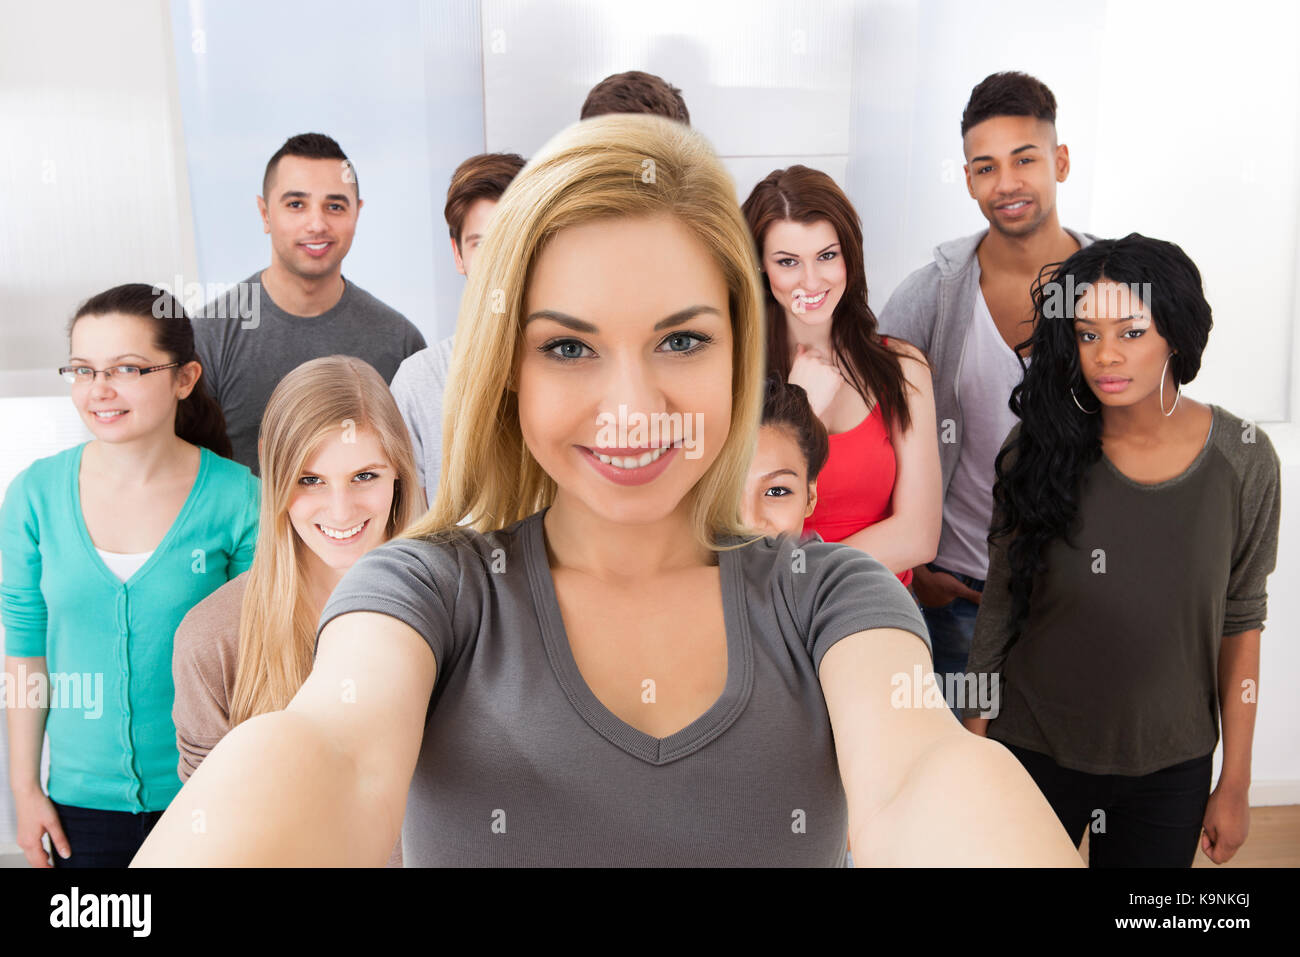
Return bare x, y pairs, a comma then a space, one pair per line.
109, 415
342, 534
316, 247
631, 461
1014, 207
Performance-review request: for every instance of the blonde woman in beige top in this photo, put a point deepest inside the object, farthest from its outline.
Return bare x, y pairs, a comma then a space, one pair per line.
338, 478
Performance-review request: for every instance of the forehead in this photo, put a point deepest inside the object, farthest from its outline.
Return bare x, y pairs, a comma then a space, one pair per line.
999, 135
1106, 299
333, 455
793, 237
318, 177
477, 215
777, 448
626, 269
111, 334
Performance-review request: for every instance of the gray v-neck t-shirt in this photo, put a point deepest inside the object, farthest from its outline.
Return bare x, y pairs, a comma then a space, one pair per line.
522, 765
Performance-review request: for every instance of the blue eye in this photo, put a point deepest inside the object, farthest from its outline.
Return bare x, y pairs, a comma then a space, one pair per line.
373, 476
310, 480
568, 344
689, 350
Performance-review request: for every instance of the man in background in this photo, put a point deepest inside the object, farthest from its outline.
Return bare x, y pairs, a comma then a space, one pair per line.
302, 305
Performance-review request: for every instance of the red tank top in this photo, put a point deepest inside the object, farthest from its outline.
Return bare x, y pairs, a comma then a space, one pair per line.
856, 486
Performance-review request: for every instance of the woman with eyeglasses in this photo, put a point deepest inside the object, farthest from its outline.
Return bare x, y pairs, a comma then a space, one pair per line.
106, 546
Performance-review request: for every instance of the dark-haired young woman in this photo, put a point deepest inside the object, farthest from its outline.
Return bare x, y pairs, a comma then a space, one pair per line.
792, 447
1133, 536
106, 546
881, 488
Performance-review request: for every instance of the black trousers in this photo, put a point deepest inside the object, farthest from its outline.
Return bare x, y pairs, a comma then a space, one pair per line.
101, 838
1149, 821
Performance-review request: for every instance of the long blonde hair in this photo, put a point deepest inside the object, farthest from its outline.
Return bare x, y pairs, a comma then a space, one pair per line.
613, 166
277, 624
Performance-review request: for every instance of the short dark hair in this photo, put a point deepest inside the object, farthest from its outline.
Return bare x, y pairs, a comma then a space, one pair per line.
485, 176
635, 92
785, 405
308, 146
1008, 94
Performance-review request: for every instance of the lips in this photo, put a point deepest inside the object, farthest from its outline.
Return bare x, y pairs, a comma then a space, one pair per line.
342, 536
316, 249
108, 415
630, 469
1112, 383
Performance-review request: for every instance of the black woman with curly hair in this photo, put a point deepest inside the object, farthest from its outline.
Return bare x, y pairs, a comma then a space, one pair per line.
1133, 536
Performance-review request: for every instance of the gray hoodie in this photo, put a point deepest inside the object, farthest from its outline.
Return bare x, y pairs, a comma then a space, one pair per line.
932, 309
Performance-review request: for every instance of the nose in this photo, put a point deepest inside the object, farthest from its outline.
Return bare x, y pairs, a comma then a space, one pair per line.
340, 506
633, 384
1009, 179
102, 386
316, 220
1107, 353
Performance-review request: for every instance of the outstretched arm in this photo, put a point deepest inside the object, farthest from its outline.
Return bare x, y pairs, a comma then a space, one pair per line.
322, 783
921, 790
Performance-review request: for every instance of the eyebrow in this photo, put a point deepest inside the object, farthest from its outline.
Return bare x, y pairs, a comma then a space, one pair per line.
773, 474
300, 194
1113, 321
782, 252
372, 467
125, 355
1018, 149
581, 325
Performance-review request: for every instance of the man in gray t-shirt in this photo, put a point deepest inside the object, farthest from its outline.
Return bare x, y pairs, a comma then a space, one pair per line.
300, 307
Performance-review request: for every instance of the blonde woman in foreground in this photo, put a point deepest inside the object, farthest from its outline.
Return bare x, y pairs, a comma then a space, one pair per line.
338, 479
606, 667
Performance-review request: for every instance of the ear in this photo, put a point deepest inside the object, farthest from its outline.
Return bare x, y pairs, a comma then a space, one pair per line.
812, 499
970, 187
187, 377
360, 202
265, 214
1062, 163
455, 255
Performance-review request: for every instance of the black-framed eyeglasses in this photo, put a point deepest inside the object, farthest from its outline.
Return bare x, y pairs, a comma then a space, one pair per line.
75, 374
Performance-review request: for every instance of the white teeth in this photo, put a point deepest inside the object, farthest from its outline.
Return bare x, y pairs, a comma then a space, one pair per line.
630, 462
813, 300
110, 415
315, 245
347, 533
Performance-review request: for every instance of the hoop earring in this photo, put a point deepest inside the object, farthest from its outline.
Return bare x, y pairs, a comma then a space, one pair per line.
1081, 408
1177, 395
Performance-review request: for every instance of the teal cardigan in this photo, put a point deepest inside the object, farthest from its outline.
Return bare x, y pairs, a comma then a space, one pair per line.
108, 644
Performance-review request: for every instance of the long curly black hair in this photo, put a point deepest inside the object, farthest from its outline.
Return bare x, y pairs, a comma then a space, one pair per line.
1040, 471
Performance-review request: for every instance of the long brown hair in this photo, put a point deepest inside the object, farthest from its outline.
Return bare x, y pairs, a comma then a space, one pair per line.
277, 623
805, 195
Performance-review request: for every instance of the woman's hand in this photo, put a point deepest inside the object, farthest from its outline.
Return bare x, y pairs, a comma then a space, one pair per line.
36, 818
1226, 824
817, 377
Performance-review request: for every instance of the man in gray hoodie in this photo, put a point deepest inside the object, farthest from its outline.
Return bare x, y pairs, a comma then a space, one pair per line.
968, 310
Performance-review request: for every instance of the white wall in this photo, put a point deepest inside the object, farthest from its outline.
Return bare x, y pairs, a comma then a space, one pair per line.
1182, 121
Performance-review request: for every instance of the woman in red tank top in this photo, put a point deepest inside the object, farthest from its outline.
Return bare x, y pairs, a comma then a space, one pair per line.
880, 490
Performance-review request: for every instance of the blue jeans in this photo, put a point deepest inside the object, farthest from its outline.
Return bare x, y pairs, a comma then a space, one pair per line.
101, 838
952, 627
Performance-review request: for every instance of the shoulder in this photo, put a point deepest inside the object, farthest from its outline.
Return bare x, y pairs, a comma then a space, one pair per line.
905, 350
231, 474
366, 302
431, 362
1245, 445
213, 624
40, 478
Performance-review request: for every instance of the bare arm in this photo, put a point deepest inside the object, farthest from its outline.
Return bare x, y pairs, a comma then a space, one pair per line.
1227, 816
899, 765
26, 724
910, 535
322, 783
